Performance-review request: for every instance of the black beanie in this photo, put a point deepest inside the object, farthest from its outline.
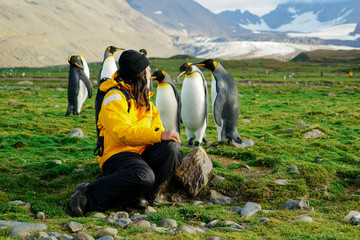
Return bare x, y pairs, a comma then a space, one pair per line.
132, 62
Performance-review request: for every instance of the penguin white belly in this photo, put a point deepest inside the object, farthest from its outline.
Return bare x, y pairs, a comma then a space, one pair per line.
108, 68
213, 97
193, 110
167, 105
81, 96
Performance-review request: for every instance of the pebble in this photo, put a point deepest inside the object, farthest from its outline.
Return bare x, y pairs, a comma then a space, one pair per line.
250, 209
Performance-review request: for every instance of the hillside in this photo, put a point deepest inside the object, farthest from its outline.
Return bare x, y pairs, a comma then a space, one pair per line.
44, 32
352, 56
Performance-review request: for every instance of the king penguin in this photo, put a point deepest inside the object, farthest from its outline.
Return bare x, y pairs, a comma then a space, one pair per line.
108, 66
79, 85
225, 101
195, 103
167, 101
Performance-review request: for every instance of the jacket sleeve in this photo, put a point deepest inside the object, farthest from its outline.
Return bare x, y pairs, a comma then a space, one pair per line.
117, 122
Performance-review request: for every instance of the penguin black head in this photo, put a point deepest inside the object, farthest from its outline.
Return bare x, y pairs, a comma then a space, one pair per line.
75, 60
158, 75
186, 68
208, 63
143, 51
112, 49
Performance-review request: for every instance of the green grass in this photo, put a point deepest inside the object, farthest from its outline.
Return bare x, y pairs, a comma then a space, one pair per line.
35, 133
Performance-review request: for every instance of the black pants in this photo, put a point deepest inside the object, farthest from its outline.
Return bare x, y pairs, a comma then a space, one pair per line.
129, 175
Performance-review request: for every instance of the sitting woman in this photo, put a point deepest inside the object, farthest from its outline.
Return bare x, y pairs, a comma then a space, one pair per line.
138, 155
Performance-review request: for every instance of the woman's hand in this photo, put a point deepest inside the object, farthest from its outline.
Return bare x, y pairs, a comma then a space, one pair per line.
170, 135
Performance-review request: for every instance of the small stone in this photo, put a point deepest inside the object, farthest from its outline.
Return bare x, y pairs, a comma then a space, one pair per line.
245, 143
99, 215
57, 161
352, 214
49, 238
82, 236
281, 181
304, 219
59, 89
39, 235
212, 223
141, 224
40, 215
355, 220
236, 226
289, 129
122, 222
215, 238
106, 237
168, 223
218, 198
332, 95
235, 209
14, 103
25, 83
315, 133
197, 203
65, 237
250, 209
318, 160
294, 169
227, 222
16, 202
76, 132
157, 229
186, 229
262, 219
246, 120
296, 204
217, 179
74, 227
107, 231
56, 106
138, 217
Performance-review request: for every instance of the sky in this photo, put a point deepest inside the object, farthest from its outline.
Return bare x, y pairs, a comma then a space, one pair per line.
258, 7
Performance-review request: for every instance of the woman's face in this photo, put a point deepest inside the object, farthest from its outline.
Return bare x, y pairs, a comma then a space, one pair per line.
148, 73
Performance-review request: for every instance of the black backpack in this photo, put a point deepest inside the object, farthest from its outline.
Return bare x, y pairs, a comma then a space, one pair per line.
98, 103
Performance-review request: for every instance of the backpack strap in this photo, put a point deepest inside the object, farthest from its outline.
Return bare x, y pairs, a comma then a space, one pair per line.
99, 150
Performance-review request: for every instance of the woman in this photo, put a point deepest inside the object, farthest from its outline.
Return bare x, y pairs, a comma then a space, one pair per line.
138, 154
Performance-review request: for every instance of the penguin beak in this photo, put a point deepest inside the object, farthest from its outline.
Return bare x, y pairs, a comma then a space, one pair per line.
118, 49
199, 64
153, 78
78, 65
182, 73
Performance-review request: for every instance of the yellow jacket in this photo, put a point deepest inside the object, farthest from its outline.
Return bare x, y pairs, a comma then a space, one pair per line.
125, 131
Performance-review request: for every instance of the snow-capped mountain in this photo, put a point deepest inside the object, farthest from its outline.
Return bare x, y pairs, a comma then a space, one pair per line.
326, 20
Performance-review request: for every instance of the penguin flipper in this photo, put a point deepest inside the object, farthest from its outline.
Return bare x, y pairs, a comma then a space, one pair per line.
218, 107
87, 83
178, 99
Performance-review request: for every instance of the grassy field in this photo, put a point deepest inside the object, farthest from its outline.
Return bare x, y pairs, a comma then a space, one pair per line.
282, 100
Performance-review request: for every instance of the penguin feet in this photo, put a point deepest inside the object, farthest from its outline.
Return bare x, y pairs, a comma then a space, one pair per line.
190, 142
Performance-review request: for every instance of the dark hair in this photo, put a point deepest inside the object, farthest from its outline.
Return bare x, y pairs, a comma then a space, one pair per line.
139, 87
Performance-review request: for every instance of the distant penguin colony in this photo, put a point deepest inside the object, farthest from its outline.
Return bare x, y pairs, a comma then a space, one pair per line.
79, 85
167, 101
195, 104
225, 101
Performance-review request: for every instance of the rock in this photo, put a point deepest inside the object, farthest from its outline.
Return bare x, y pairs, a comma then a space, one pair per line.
212, 223
304, 219
217, 179
59, 89
55, 234
82, 236
16, 202
122, 222
141, 224
118, 215
318, 160
56, 106
76, 132
40, 215
262, 219
22, 230
194, 171
138, 216
355, 220
57, 161
332, 94
215, 238
37, 236
246, 120
65, 237
186, 229
294, 169
50, 238
289, 129
14, 103
197, 203
157, 229
235, 209
250, 209
281, 181
245, 143
168, 223
74, 227
296, 204
149, 210
25, 83
218, 198
106, 237
315, 133
99, 215
227, 222
236, 226
107, 231
352, 214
